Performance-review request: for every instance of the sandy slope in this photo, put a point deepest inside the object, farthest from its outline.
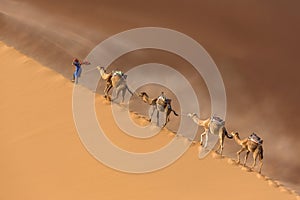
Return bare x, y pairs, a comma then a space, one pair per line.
254, 43
43, 158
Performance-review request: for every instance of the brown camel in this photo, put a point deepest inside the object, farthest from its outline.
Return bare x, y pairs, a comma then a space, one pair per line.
115, 79
162, 105
214, 125
251, 144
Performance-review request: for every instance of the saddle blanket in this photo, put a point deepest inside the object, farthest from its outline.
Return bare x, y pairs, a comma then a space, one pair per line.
255, 138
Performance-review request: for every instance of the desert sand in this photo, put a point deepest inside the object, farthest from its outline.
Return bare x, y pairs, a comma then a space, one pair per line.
254, 44
42, 156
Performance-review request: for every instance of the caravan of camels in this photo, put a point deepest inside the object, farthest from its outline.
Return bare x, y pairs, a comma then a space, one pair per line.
213, 125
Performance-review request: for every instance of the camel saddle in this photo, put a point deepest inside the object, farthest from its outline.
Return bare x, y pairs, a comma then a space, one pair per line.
119, 73
217, 120
255, 138
215, 124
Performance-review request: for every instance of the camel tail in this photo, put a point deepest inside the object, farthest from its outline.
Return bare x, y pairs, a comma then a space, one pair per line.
227, 134
129, 90
261, 152
175, 113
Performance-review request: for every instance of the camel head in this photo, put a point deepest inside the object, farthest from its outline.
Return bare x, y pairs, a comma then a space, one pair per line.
191, 115
142, 94
100, 68
235, 134
145, 98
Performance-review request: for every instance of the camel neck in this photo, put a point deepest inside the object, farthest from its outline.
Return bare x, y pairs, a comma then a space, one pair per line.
237, 139
196, 119
147, 99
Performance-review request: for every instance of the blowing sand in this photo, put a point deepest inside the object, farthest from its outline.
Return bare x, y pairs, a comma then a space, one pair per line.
254, 44
43, 158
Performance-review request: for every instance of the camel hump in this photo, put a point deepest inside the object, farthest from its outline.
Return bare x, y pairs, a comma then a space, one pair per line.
217, 120
119, 73
255, 138
215, 124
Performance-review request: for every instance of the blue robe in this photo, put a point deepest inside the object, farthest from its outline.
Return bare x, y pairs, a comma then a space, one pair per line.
78, 69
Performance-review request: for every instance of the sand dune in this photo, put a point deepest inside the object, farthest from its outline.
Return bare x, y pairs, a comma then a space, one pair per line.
43, 158
255, 45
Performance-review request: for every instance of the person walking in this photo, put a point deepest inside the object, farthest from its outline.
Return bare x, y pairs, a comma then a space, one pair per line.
78, 69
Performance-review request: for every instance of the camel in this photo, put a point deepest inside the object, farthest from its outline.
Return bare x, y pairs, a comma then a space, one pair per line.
251, 144
115, 79
215, 126
162, 105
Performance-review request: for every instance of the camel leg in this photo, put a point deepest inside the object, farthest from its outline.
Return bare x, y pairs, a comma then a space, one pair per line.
260, 163
206, 138
123, 94
238, 154
106, 90
255, 154
106, 87
118, 93
109, 88
201, 137
153, 110
221, 143
219, 147
129, 90
168, 112
122, 90
246, 157
157, 117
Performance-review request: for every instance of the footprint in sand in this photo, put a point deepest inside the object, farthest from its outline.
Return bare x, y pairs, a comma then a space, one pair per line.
246, 169
273, 183
232, 162
283, 189
216, 155
294, 193
260, 176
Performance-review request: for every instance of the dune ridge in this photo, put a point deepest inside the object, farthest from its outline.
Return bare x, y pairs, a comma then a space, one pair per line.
254, 46
43, 158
